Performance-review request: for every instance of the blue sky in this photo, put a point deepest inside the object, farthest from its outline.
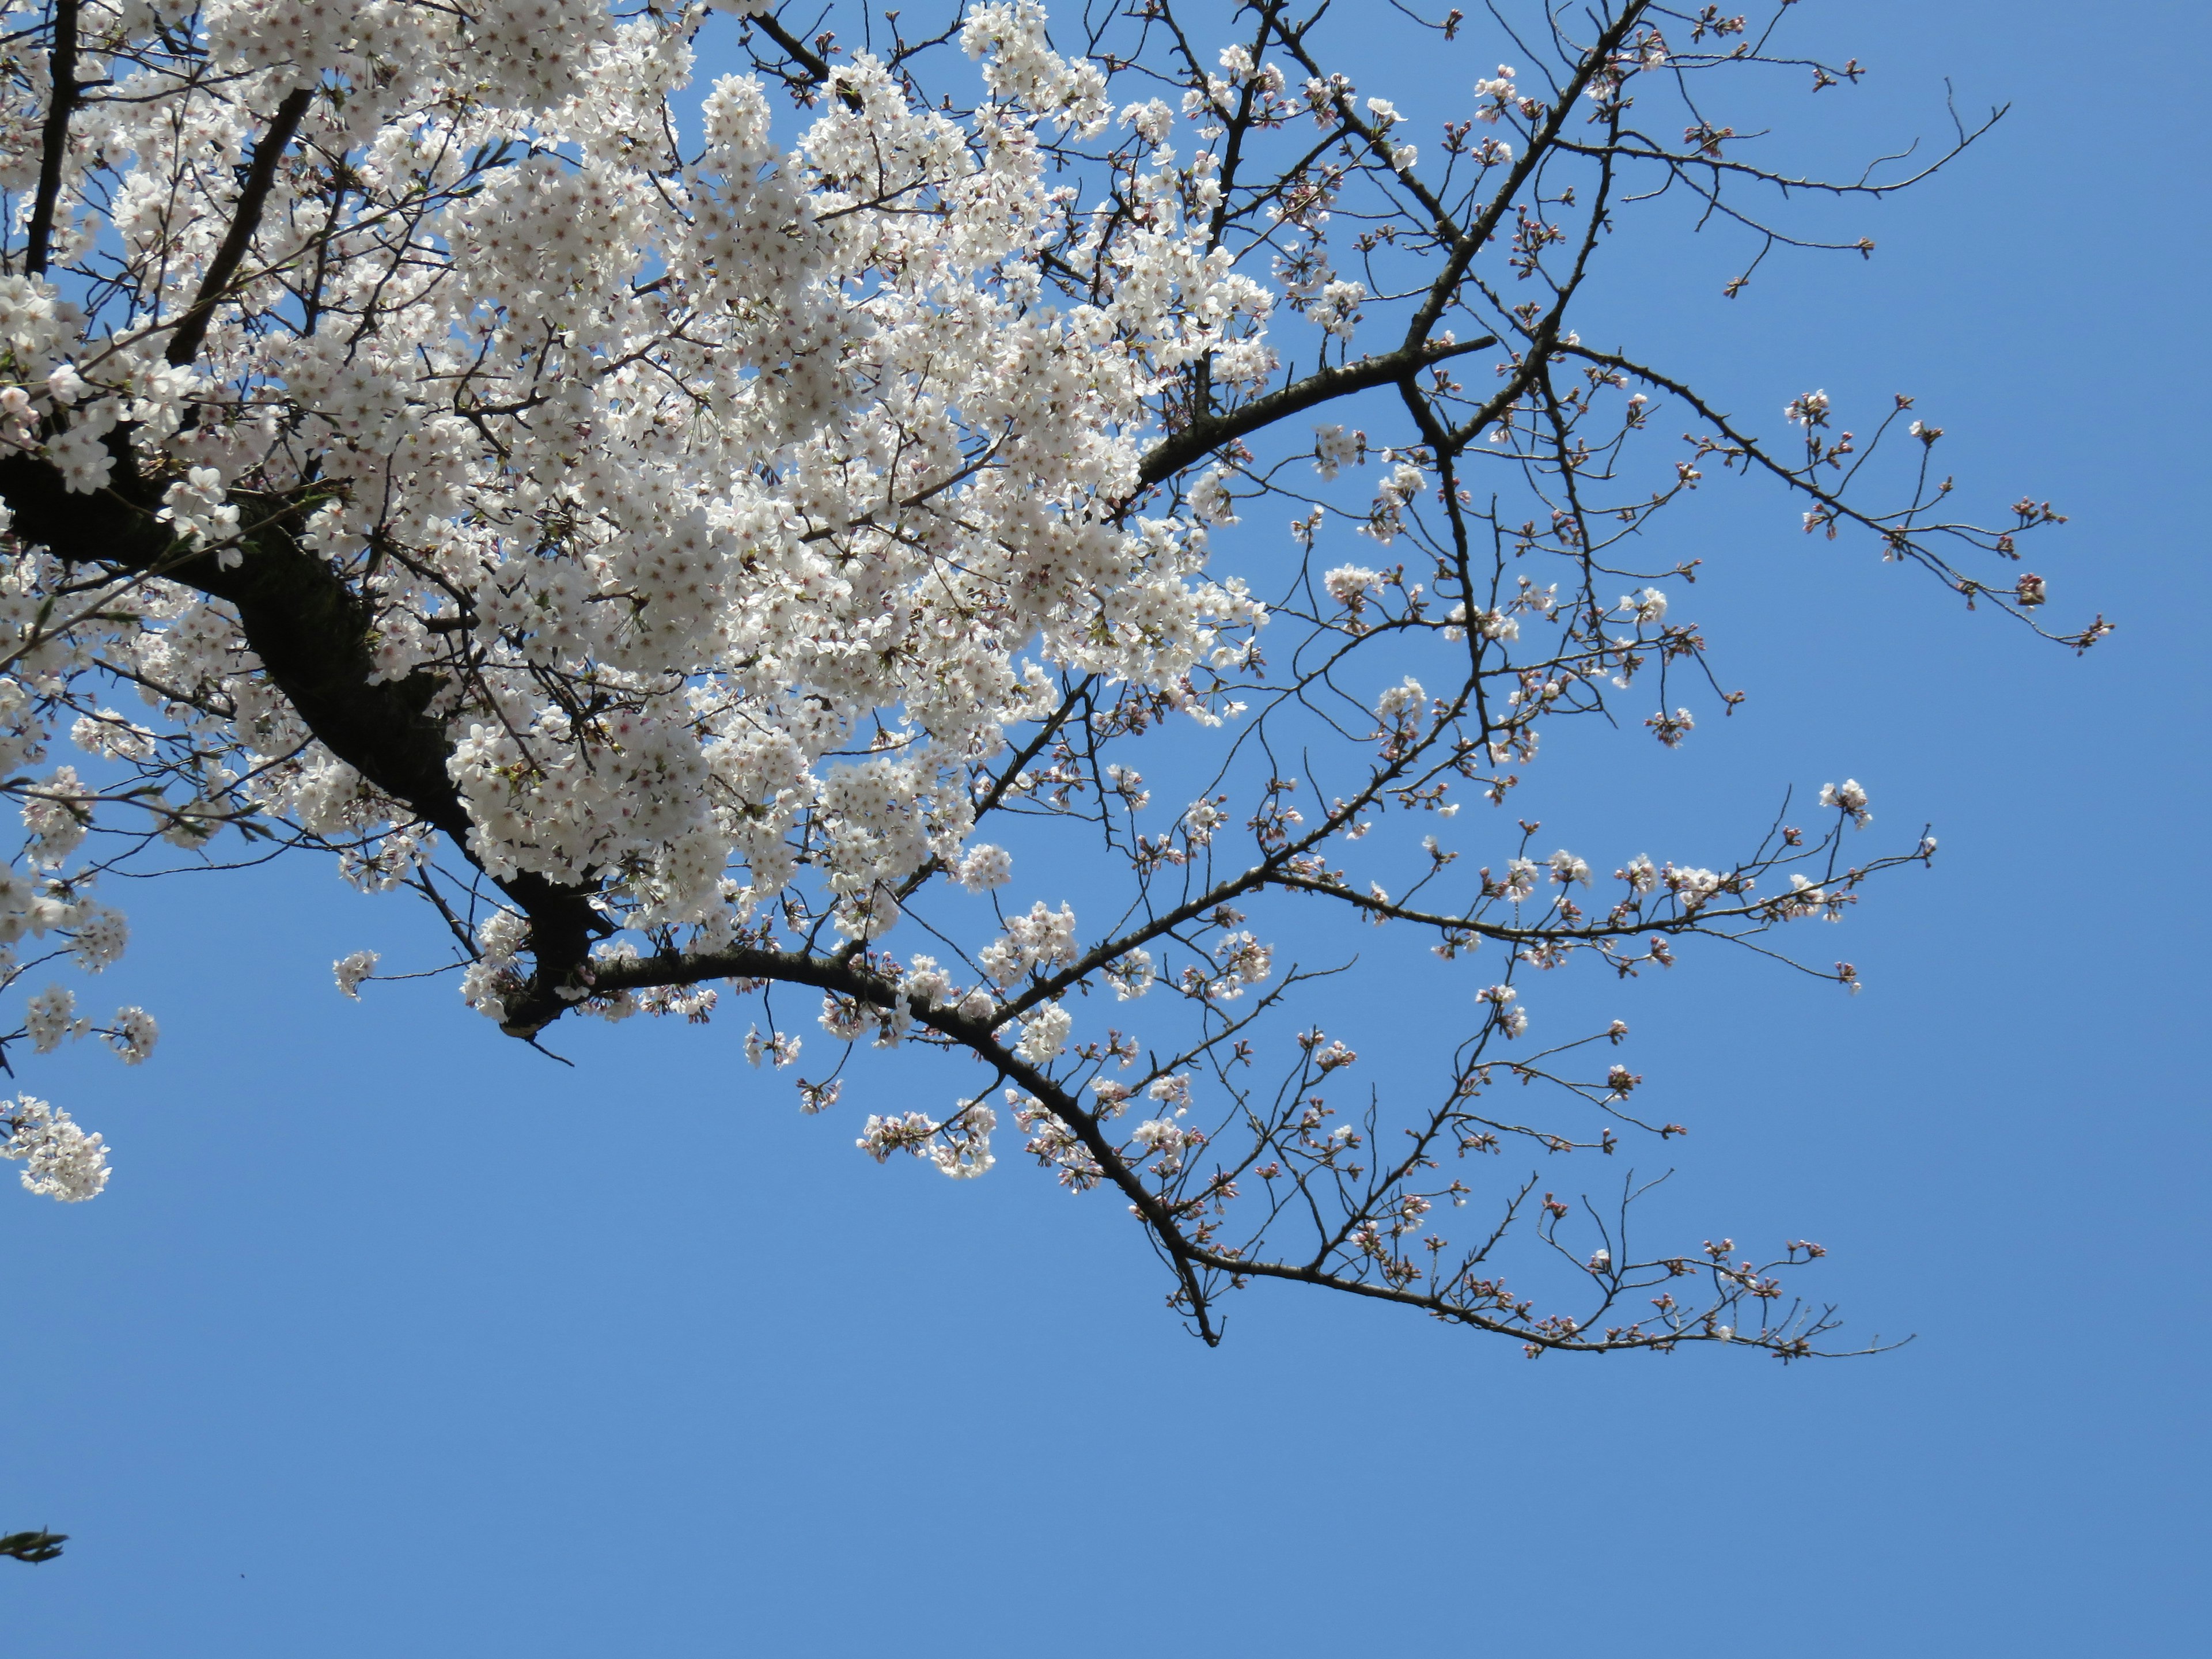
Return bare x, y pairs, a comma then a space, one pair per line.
391, 1338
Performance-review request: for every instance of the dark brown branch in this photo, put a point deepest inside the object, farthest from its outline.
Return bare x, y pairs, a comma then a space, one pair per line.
816, 66
311, 632
793, 48
61, 103
260, 174
979, 1037
1179, 449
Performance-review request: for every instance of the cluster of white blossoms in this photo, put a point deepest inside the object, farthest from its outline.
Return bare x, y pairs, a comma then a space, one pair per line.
1041, 939
1335, 449
960, 1148
1849, 799
60, 1160
1501, 999
1400, 702
693, 469
676, 478
1386, 519
51, 920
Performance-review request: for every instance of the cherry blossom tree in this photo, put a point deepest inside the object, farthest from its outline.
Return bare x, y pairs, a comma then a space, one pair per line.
678, 537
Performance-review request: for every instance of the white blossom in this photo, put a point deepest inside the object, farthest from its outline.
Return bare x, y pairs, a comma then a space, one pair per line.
60, 1160
1498, 93
49, 1017
985, 867
133, 1035
1044, 1034
1400, 702
1210, 502
195, 507
1848, 799
1808, 409
1336, 448
350, 971
1567, 869
1041, 939
1349, 585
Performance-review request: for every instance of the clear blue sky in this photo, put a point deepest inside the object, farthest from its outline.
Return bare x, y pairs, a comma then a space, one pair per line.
390, 1338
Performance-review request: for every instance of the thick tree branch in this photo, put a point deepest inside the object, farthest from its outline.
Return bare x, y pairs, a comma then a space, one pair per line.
817, 66
54, 141
792, 46
311, 632
246, 220
1180, 449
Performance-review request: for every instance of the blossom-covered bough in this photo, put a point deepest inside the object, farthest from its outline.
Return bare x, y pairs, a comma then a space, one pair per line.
685, 535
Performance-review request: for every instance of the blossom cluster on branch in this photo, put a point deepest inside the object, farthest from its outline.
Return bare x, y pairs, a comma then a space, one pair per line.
666, 530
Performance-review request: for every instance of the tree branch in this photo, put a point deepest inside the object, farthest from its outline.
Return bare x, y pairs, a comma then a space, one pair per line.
793, 48
261, 174
54, 142
1180, 449
817, 66
311, 632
